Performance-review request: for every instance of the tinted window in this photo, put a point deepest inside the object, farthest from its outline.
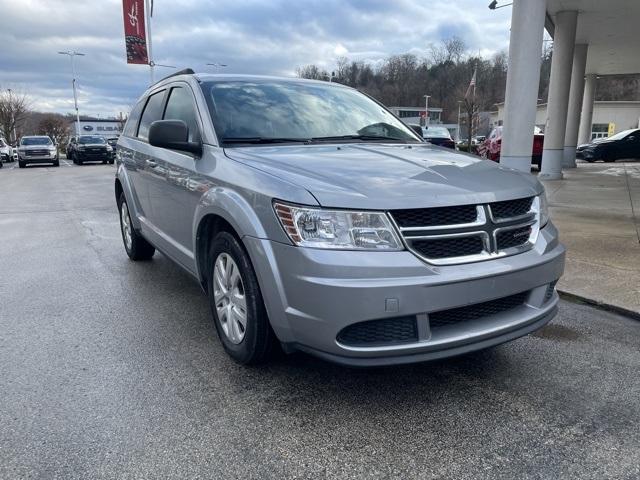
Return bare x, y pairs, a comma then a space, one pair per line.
36, 141
90, 139
298, 110
180, 106
152, 112
132, 122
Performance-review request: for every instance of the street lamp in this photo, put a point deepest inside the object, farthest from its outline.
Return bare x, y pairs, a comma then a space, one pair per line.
217, 65
493, 5
73, 83
426, 109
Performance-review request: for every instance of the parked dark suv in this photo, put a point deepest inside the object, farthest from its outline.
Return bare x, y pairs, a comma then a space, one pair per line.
316, 220
89, 148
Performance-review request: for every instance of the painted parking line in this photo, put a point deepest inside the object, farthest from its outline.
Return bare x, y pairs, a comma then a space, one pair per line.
65, 162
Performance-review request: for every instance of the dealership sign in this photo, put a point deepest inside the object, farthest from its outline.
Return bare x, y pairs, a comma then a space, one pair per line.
134, 32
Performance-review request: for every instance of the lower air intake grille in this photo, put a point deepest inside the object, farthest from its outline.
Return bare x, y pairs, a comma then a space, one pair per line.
448, 247
474, 312
387, 331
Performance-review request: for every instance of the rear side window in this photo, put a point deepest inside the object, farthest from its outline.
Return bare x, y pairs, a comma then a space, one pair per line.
132, 122
152, 112
181, 106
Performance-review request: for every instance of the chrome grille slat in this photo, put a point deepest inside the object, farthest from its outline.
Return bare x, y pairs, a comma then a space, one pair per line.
497, 229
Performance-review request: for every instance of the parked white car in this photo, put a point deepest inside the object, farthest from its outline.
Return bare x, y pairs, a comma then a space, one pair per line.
6, 152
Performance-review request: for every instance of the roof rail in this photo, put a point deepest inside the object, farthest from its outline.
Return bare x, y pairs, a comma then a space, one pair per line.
186, 71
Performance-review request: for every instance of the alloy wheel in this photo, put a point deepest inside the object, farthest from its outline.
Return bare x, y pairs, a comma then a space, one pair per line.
229, 298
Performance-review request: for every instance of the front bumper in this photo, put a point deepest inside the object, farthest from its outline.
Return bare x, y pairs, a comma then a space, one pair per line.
38, 158
311, 295
93, 157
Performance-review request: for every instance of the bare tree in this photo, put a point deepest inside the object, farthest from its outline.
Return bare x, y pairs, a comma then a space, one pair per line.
56, 127
312, 72
14, 108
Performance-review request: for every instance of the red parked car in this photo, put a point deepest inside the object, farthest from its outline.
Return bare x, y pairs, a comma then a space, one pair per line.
490, 148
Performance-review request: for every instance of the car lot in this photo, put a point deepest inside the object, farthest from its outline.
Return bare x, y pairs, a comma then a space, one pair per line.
111, 369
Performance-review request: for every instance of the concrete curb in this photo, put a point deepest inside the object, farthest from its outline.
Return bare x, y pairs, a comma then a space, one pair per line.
572, 297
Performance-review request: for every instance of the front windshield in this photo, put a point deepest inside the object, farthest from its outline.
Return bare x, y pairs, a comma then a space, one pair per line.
36, 141
621, 135
298, 111
436, 132
88, 139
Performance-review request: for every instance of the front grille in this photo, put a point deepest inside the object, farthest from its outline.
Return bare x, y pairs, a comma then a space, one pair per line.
449, 247
467, 233
477, 311
513, 237
430, 217
373, 333
549, 293
511, 208
37, 153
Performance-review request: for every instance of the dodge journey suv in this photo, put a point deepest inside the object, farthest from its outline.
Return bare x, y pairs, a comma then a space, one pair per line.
316, 220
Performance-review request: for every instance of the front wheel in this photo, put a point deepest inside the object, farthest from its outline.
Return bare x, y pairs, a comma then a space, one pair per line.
21, 164
236, 302
136, 246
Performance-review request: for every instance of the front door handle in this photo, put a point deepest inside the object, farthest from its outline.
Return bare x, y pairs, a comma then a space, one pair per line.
151, 164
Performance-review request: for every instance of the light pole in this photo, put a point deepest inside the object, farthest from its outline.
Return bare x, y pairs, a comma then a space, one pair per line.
217, 65
426, 109
459, 134
148, 13
73, 83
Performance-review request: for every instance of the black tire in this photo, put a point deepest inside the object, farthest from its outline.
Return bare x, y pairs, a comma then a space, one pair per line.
78, 162
56, 163
259, 341
21, 164
139, 249
110, 162
104, 162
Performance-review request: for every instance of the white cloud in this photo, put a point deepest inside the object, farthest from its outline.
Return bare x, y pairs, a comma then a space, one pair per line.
251, 36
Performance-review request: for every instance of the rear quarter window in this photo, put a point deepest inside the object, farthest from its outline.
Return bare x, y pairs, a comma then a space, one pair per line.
132, 122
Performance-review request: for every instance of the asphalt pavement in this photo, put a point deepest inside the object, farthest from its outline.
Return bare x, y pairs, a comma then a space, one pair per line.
111, 369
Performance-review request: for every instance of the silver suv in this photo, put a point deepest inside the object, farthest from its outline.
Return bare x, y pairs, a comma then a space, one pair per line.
317, 221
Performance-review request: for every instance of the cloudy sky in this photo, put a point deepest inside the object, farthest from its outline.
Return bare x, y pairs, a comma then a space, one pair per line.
251, 36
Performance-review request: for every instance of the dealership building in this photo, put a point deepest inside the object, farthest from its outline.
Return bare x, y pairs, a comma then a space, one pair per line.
107, 128
607, 118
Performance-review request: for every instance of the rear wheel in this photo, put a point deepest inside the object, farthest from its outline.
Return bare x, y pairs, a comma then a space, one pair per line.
136, 246
236, 302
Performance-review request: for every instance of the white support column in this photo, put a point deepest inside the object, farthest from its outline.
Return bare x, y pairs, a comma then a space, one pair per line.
561, 66
523, 78
586, 118
575, 105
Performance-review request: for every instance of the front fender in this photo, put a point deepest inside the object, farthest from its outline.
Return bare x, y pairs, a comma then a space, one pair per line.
132, 204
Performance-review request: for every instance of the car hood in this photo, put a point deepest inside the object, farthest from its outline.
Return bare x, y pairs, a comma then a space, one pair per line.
383, 176
596, 142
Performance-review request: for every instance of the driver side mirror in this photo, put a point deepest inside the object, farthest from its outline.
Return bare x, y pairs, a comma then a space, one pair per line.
174, 135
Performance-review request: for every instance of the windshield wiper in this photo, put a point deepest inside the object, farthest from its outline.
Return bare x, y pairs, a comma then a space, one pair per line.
358, 137
263, 140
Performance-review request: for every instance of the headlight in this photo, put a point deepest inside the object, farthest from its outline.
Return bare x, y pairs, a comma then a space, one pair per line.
337, 229
543, 209
109, 148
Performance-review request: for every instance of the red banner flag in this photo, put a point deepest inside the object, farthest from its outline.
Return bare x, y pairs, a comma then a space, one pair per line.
134, 33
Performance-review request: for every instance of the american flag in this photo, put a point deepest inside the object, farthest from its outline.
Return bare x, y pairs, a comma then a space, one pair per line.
471, 90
